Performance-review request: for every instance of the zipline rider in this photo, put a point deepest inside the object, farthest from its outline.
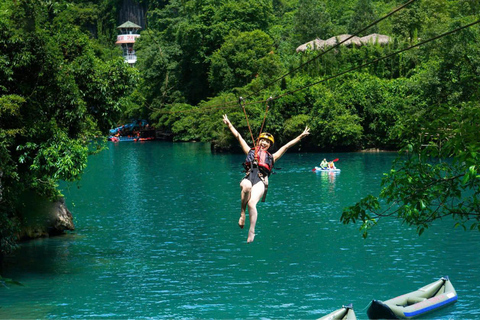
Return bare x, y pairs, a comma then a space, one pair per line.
259, 163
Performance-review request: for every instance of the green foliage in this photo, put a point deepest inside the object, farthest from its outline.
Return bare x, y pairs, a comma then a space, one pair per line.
56, 95
311, 21
438, 174
435, 178
241, 59
193, 30
296, 124
364, 15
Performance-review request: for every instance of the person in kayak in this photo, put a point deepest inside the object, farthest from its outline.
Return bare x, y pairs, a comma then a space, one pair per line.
324, 164
331, 165
259, 163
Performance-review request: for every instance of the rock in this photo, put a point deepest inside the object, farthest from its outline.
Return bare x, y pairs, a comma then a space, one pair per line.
40, 217
61, 218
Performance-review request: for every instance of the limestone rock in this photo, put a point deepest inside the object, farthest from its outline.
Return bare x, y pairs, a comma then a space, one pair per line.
40, 217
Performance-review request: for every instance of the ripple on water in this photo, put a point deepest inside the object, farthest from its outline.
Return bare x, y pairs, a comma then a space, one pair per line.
155, 239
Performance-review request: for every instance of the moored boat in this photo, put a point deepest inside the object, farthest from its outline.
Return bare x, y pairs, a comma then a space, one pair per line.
429, 298
138, 130
344, 313
129, 139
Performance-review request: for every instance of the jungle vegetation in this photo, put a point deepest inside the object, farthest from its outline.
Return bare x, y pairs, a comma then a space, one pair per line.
63, 83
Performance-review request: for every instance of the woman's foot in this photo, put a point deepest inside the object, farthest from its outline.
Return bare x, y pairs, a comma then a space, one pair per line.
241, 221
251, 236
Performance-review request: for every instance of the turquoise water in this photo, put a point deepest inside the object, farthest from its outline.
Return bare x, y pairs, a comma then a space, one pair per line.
157, 237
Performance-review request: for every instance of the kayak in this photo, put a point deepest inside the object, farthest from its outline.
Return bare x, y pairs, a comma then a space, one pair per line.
344, 313
429, 298
318, 169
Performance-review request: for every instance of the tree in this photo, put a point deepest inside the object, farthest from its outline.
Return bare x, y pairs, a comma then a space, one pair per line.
407, 23
196, 29
312, 21
56, 96
437, 174
364, 15
240, 59
435, 178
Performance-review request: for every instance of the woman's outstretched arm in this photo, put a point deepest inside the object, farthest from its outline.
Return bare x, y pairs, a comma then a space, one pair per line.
237, 135
290, 144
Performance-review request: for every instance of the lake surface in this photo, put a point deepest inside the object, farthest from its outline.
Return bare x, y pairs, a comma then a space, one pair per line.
157, 237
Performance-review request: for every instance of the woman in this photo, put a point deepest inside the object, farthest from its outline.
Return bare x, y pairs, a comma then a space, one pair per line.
259, 163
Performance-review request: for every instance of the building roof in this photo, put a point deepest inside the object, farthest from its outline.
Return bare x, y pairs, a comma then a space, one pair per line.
129, 24
319, 44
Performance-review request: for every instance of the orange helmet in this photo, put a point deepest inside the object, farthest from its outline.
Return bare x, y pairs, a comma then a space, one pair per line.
267, 136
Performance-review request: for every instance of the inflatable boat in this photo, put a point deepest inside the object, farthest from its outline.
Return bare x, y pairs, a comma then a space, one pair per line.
345, 313
426, 299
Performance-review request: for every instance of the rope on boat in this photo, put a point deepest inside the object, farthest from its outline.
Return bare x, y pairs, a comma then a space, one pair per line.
368, 306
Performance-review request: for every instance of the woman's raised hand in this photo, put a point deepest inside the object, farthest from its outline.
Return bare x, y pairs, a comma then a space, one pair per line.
305, 132
225, 120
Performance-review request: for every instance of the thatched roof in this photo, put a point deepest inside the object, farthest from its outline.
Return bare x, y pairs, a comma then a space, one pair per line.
352, 41
316, 44
376, 38
319, 44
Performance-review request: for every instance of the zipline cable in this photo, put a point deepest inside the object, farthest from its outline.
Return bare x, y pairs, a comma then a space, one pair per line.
332, 48
379, 59
229, 105
311, 60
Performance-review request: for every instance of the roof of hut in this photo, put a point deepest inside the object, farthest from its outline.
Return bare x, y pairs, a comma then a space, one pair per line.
319, 44
340, 38
376, 38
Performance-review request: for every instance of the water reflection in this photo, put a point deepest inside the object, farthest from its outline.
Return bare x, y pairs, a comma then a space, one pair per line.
329, 178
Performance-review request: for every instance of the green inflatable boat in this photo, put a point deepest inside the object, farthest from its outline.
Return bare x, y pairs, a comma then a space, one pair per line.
429, 298
345, 313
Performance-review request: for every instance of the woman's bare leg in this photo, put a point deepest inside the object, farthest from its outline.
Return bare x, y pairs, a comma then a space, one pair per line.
246, 187
255, 196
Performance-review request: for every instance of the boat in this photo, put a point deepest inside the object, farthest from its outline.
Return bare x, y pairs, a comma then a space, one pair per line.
319, 169
138, 130
129, 139
344, 313
429, 298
